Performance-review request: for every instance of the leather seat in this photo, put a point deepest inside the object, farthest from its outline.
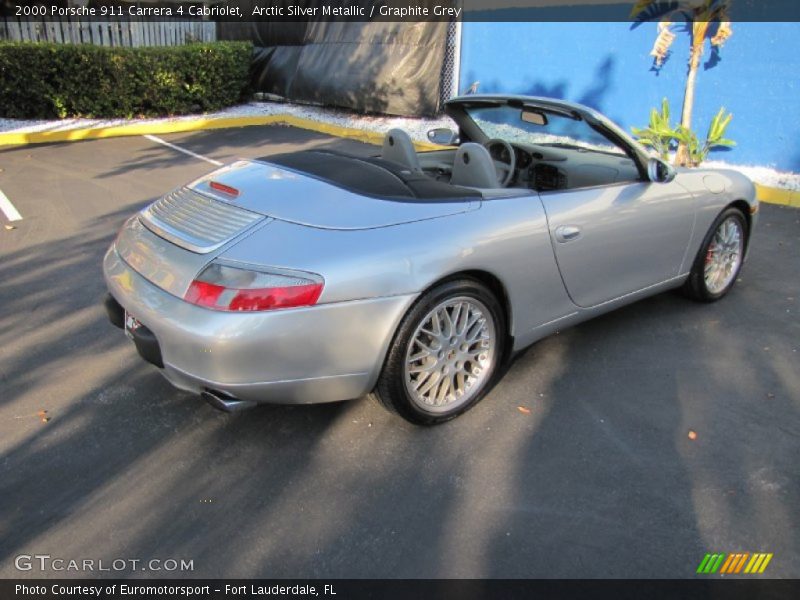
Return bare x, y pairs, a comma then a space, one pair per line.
474, 167
398, 148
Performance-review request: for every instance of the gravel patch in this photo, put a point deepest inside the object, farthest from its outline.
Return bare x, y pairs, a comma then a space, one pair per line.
762, 175
416, 127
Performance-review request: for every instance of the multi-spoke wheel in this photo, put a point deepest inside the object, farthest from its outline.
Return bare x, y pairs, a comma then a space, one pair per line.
720, 258
451, 353
445, 353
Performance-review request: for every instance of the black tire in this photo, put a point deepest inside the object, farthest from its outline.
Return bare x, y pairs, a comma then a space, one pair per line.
696, 287
391, 389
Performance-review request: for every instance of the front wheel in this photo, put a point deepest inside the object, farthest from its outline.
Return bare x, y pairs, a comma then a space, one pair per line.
720, 258
445, 354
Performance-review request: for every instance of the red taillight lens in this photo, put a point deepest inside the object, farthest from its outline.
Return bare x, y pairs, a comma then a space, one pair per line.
222, 287
285, 297
203, 294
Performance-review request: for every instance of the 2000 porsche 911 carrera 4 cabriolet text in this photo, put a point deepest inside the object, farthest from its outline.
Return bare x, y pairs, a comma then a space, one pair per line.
318, 276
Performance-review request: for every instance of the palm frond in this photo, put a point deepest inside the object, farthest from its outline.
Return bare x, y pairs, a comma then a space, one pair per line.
652, 10
663, 43
724, 31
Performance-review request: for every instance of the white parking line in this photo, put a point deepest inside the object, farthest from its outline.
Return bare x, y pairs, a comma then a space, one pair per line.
10, 211
158, 140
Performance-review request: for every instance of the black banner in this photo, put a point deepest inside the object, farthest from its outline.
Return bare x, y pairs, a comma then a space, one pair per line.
418, 589
242, 11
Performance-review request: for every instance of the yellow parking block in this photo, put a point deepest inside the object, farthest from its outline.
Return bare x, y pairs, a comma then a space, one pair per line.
199, 124
778, 196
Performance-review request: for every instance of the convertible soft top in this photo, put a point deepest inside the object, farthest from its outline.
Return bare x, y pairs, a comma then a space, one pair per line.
369, 176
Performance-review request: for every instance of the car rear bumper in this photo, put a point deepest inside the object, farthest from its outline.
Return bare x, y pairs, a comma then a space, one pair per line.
323, 353
145, 340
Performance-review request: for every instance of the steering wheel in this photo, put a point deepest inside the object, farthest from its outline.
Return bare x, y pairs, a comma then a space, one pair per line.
505, 170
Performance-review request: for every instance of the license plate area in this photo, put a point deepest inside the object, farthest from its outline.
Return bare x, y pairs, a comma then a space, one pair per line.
131, 324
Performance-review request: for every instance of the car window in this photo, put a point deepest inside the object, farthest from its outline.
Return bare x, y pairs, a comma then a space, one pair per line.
506, 122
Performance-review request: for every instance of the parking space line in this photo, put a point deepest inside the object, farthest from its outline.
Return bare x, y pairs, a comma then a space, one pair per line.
10, 211
158, 140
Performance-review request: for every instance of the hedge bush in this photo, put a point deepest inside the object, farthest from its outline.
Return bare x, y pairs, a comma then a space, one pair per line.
43, 80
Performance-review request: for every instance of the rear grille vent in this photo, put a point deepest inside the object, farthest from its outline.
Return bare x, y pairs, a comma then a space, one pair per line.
196, 222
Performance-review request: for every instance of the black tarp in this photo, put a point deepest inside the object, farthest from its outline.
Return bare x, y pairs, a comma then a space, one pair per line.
381, 67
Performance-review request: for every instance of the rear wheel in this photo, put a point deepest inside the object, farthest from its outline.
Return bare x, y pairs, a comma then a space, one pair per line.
445, 354
720, 258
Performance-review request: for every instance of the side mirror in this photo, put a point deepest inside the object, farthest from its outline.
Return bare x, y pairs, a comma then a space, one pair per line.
659, 171
443, 136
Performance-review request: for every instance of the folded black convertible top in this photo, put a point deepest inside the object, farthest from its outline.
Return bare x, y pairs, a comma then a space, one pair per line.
368, 176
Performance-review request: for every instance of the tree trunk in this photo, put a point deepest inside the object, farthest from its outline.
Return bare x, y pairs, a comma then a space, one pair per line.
682, 157
699, 29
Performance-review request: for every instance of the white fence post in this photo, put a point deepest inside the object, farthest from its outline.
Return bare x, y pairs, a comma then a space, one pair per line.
129, 34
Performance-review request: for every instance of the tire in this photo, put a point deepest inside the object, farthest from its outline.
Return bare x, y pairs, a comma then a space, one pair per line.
720, 258
433, 375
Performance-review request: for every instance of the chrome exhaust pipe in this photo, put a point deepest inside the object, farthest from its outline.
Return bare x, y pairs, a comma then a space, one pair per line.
226, 402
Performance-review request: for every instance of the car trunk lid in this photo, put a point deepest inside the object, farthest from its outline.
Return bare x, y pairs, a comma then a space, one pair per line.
174, 237
281, 193
197, 222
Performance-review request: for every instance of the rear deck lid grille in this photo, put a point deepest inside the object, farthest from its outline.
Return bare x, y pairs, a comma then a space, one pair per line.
197, 222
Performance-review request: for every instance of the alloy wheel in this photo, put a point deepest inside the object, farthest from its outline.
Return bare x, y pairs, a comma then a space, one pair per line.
724, 255
451, 355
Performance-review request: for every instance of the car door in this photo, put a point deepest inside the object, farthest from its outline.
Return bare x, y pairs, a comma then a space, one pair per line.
613, 240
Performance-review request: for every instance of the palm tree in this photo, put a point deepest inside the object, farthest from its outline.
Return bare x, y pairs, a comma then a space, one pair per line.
706, 20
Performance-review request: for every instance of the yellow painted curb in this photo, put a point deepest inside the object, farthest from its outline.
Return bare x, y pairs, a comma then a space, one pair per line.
778, 196
160, 128
369, 137
765, 194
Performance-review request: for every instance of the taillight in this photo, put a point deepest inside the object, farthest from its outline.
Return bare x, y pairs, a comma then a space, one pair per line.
225, 189
227, 288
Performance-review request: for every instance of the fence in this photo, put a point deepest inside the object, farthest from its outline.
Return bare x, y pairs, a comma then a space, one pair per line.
451, 64
109, 33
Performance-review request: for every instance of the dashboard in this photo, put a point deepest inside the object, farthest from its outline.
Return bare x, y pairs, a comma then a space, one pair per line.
544, 167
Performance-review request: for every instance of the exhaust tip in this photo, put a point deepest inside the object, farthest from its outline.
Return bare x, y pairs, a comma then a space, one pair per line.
226, 402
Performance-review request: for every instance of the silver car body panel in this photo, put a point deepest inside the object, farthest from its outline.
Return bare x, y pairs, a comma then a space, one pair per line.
378, 256
325, 352
628, 237
163, 263
298, 198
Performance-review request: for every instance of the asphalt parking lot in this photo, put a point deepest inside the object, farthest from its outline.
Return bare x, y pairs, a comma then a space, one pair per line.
596, 477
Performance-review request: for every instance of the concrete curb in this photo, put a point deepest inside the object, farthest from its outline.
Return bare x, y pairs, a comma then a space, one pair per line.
765, 194
778, 196
199, 124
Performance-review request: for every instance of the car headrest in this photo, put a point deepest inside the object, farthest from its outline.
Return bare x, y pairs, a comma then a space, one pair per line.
474, 167
398, 148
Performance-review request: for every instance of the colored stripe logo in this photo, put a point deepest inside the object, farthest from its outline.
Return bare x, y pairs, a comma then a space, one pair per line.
734, 563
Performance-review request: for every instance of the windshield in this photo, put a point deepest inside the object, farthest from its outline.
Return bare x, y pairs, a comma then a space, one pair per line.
540, 127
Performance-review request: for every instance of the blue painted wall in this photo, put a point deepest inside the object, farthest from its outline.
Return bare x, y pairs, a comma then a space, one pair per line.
607, 66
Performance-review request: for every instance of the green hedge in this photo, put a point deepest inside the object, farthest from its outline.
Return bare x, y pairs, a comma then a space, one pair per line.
42, 80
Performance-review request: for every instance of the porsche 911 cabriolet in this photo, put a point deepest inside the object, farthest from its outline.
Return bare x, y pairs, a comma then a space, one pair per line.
320, 276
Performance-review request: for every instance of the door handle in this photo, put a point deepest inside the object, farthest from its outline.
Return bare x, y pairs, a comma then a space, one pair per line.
568, 233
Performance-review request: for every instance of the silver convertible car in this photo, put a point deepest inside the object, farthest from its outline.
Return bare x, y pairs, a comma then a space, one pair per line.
319, 276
